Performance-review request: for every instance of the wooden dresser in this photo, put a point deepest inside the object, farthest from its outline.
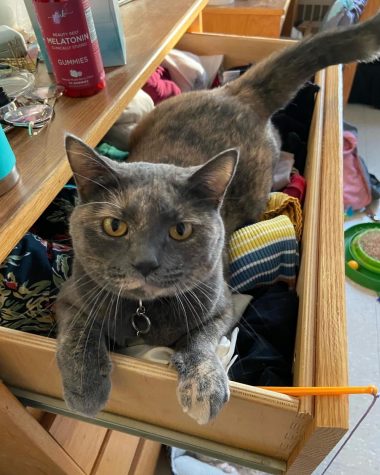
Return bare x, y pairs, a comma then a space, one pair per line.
259, 428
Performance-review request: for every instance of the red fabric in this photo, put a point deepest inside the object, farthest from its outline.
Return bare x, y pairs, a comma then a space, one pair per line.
160, 87
296, 187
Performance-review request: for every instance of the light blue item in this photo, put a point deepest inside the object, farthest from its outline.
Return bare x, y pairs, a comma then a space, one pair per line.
8, 171
182, 463
109, 30
37, 31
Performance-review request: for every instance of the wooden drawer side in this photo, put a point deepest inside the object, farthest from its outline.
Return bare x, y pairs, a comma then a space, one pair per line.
331, 336
304, 357
331, 415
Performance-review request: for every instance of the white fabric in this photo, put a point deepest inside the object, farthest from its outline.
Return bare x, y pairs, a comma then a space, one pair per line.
119, 133
191, 72
186, 70
212, 65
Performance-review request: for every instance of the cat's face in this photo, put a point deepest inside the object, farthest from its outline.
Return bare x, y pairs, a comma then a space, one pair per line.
144, 230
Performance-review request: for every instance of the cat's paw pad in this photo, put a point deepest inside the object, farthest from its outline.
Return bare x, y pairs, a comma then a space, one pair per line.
203, 392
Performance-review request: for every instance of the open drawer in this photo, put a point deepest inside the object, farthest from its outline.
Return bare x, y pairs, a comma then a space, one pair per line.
263, 429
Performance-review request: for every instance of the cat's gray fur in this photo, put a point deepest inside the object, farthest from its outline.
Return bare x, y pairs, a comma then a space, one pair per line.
163, 183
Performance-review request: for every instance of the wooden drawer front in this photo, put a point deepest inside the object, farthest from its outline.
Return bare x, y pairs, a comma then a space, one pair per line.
261, 422
266, 23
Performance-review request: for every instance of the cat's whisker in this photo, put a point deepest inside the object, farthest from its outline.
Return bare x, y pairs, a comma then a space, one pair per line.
93, 181
109, 321
116, 309
87, 297
182, 305
98, 203
98, 162
251, 331
84, 281
89, 316
207, 295
105, 317
52, 329
197, 318
188, 334
201, 304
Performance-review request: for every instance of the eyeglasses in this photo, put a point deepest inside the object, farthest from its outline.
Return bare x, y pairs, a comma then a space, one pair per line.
28, 107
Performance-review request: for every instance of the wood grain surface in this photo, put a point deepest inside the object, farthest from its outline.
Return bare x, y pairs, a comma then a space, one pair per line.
247, 7
145, 460
247, 18
28, 362
331, 332
150, 33
26, 448
307, 283
117, 454
330, 420
80, 440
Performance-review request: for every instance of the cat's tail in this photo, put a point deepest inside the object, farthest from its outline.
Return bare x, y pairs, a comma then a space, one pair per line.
272, 83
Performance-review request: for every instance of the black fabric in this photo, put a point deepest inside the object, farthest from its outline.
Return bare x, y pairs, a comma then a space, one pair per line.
54, 222
375, 187
36, 268
293, 122
265, 342
366, 85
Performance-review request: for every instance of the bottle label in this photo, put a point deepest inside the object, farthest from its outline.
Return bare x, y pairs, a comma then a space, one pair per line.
70, 37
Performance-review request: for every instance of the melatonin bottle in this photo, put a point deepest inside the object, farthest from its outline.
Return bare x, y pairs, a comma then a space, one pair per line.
72, 45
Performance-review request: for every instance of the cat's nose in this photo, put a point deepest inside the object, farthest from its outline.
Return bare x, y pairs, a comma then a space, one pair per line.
146, 266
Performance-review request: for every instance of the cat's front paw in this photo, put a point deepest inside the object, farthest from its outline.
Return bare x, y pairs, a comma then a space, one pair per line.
86, 382
203, 385
89, 399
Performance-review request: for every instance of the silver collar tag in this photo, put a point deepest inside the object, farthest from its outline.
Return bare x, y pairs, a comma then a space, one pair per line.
140, 321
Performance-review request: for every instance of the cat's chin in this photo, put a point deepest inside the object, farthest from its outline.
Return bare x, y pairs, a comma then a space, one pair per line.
146, 291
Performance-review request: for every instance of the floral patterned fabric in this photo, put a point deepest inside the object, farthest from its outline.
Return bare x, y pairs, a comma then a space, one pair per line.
36, 268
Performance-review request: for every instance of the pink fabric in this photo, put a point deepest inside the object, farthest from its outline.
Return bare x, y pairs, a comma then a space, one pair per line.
160, 87
356, 190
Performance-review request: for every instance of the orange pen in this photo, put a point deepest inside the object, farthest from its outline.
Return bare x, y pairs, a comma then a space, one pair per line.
322, 390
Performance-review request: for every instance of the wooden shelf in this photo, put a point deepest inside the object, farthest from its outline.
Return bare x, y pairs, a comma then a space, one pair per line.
41, 159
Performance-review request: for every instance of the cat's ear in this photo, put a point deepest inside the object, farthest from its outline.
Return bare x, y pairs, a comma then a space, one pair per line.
90, 169
212, 179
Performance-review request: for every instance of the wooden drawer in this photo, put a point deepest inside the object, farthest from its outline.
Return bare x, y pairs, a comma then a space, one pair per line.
246, 18
261, 428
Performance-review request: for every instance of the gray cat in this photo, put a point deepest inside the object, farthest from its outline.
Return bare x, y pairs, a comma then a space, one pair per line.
152, 231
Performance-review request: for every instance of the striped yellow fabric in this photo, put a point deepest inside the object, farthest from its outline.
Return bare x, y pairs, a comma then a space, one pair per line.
259, 235
283, 204
263, 253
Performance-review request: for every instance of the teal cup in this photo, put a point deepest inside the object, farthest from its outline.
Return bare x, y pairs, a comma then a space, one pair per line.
8, 171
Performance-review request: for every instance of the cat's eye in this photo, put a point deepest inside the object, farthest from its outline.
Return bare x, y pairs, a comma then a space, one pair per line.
181, 231
115, 227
